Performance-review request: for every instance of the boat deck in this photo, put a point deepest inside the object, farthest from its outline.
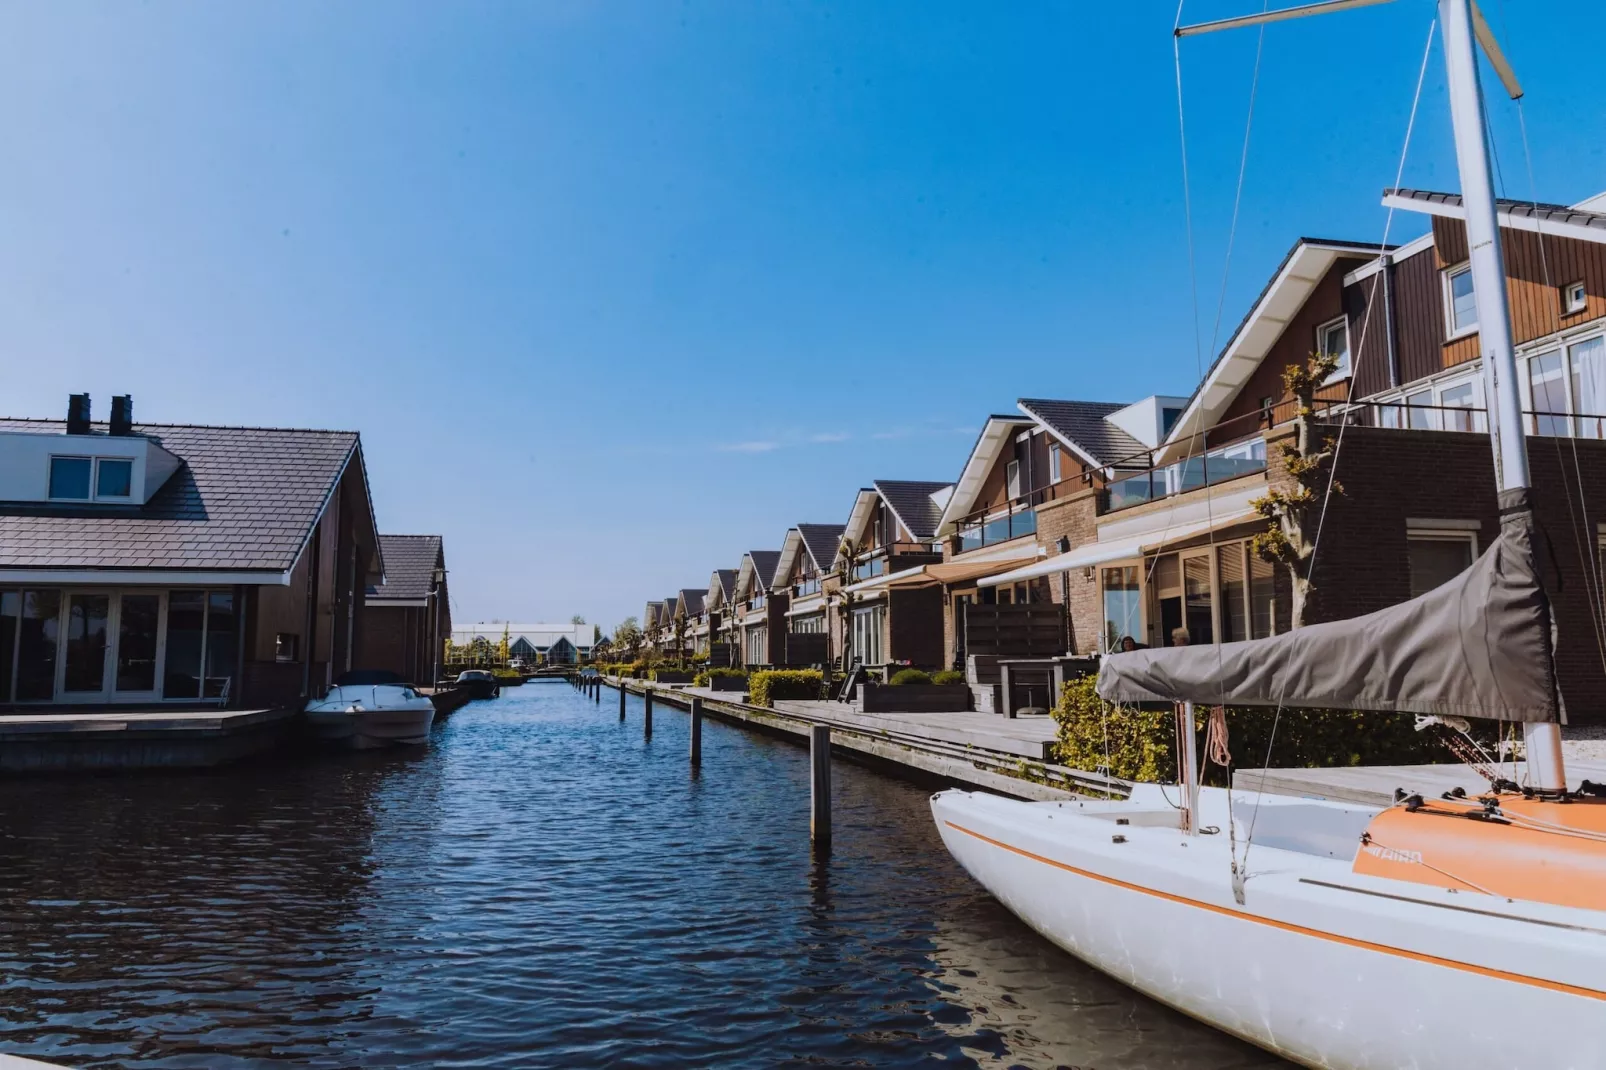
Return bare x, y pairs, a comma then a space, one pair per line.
1374, 785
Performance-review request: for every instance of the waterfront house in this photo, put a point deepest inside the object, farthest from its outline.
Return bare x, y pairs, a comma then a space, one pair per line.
720, 609
652, 625
890, 536
805, 571
760, 609
176, 565
688, 611
408, 613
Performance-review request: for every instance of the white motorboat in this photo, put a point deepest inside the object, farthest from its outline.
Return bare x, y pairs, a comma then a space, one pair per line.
1450, 932
369, 715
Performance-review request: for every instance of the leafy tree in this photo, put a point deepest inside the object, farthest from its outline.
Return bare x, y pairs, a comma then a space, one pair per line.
627, 637
577, 619
1290, 539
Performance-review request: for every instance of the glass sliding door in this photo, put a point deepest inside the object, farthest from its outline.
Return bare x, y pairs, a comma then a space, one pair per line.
138, 634
186, 636
38, 636
84, 668
220, 643
1199, 612
10, 605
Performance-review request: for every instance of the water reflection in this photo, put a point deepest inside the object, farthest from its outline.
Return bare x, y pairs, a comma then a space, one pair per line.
542, 887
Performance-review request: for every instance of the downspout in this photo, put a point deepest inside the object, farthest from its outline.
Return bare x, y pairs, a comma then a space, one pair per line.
309, 630
1390, 319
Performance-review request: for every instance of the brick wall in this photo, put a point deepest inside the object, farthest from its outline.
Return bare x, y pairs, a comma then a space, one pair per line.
1074, 518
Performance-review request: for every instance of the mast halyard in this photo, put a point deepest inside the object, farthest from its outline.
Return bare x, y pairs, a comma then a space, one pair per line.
1504, 407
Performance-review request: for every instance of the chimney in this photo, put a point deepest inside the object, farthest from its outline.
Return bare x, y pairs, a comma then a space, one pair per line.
122, 414
78, 414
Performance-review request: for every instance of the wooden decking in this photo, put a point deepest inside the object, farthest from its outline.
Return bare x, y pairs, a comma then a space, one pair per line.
976, 749
51, 740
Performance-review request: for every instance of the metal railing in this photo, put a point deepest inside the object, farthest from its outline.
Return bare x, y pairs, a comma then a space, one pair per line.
1018, 518
1191, 473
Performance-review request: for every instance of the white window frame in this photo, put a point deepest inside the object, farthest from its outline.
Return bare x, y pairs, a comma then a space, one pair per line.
1574, 298
1452, 332
1343, 370
1442, 531
1054, 462
50, 466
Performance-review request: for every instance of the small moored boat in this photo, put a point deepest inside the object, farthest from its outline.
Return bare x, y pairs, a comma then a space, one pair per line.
479, 683
368, 710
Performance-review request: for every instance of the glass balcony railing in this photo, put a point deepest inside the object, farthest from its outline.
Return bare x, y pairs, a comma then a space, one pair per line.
975, 534
807, 587
1205, 470
867, 570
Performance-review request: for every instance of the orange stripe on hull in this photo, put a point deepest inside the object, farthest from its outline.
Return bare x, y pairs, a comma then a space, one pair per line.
1364, 945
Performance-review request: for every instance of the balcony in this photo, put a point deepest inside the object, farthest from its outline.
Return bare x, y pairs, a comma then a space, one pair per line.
807, 587
893, 557
1203, 470
981, 530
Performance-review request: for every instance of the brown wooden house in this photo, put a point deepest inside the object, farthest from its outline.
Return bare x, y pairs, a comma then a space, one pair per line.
408, 612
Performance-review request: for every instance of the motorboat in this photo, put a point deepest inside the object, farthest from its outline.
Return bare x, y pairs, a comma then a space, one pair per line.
1463, 930
479, 683
369, 710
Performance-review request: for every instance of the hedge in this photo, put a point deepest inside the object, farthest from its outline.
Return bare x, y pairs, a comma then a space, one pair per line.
905, 677
767, 685
724, 673
1141, 743
948, 678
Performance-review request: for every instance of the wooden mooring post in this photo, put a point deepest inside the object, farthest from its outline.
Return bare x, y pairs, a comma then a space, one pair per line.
596, 690
621, 699
646, 723
696, 730
820, 784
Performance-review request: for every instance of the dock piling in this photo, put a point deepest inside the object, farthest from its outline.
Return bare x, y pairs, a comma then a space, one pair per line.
820, 784
646, 723
621, 699
696, 730
596, 690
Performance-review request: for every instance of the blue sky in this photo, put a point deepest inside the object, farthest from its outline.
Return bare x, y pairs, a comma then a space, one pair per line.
616, 291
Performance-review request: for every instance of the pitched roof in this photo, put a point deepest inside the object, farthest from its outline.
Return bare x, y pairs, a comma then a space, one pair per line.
540, 636
245, 499
1556, 219
910, 501
692, 600
821, 541
726, 579
764, 562
410, 563
1082, 426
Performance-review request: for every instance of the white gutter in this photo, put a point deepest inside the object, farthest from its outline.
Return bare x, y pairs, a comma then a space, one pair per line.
1554, 228
141, 577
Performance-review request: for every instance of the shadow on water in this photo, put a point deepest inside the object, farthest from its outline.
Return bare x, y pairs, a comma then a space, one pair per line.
541, 887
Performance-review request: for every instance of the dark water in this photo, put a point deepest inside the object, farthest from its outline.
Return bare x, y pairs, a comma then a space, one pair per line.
538, 888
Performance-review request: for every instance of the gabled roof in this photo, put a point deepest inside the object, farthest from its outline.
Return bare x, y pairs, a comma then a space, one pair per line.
1559, 220
758, 566
910, 501
1081, 426
1285, 293
821, 541
410, 564
245, 501
655, 610
996, 436
721, 587
691, 601
539, 636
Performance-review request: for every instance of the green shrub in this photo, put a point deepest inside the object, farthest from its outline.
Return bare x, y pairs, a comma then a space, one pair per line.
948, 678
1141, 743
764, 687
506, 674
706, 675
904, 677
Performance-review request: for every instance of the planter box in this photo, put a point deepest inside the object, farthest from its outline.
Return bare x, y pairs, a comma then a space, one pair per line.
727, 683
913, 698
666, 676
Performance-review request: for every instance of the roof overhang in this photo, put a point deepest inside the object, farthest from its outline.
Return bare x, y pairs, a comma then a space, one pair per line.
1556, 221
960, 571
859, 518
1304, 267
996, 435
1100, 553
790, 547
140, 577
397, 603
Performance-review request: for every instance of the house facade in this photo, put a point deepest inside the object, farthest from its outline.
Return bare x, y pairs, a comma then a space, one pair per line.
171, 565
408, 611
760, 610
890, 537
806, 572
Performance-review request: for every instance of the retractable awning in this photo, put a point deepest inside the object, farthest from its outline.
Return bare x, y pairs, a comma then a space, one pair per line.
1099, 553
959, 571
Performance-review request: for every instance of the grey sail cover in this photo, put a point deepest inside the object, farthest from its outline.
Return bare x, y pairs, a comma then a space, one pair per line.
1477, 646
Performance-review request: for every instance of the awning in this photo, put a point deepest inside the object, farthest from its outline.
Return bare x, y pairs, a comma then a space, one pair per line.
958, 571
1098, 553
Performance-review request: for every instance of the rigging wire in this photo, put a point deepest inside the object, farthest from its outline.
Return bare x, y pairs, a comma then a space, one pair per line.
1338, 444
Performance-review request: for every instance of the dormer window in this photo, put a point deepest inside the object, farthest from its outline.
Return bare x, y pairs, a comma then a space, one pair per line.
69, 478
114, 477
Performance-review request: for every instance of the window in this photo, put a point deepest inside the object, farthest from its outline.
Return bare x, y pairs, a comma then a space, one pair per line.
1267, 405
1460, 306
1436, 557
1012, 478
1388, 414
1168, 419
69, 478
866, 634
1054, 462
1588, 360
1573, 298
114, 478
1419, 410
1122, 606
1332, 340
1454, 398
1549, 393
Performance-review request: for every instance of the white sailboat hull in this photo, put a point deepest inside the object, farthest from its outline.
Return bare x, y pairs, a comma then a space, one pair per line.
1319, 965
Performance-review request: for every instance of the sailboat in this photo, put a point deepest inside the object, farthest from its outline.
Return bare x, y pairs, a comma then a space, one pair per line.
1449, 932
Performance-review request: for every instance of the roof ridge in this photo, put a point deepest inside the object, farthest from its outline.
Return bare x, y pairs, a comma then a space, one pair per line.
199, 427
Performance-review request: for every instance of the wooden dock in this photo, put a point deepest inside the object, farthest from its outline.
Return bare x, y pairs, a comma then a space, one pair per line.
979, 750
46, 742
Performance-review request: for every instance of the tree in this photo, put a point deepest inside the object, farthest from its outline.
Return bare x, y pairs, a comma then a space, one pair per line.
502, 653
680, 637
577, 619
848, 552
627, 637
479, 649
1290, 539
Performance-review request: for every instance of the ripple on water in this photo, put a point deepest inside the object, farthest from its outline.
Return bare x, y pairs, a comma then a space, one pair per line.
541, 887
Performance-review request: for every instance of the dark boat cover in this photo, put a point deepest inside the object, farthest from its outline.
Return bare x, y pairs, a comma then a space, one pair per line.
1478, 646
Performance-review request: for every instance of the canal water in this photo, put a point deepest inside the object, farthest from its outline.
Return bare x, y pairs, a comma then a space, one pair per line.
540, 887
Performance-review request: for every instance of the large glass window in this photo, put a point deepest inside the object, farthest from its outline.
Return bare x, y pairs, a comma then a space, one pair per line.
137, 620
1435, 558
220, 647
114, 478
1262, 597
1454, 399
1419, 410
1589, 386
1123, 613
1197, 600
186, 635
10, 604
867, 627
1549, 393
69, 478
38, 635
87, 642
1234, 604
1463, 306
1333, 340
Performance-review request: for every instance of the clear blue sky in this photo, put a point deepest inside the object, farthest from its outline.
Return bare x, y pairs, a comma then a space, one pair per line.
709, 266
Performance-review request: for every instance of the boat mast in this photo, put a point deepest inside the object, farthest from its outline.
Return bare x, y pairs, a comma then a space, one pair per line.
1504, 407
